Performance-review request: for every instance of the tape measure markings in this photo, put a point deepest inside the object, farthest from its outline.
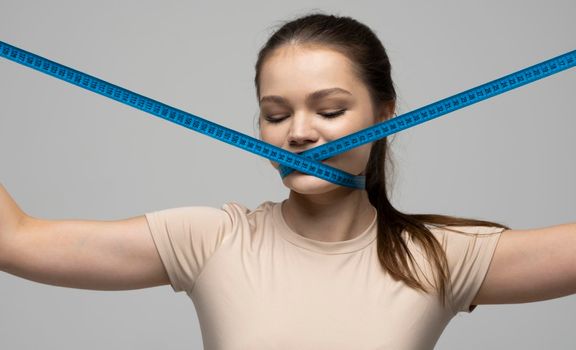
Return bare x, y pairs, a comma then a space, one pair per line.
178, 116
308, 161
439, 108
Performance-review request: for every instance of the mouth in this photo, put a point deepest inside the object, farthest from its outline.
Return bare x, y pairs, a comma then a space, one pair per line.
324, 161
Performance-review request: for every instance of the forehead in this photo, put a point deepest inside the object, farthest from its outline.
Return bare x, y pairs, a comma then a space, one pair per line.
298, 69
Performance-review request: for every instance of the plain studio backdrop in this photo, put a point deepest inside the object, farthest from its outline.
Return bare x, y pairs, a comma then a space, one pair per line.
67, 153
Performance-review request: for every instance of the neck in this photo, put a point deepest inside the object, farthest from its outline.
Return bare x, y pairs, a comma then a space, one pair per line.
338, 215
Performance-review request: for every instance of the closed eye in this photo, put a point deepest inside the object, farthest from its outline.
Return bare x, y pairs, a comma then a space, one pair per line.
325, 115
333, 114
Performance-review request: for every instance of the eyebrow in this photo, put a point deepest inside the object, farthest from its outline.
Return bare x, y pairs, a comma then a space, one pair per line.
313, 96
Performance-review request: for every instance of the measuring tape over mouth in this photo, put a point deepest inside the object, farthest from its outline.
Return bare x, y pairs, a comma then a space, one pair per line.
308, 162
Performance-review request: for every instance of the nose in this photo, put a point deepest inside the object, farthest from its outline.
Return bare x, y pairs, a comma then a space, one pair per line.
302, 131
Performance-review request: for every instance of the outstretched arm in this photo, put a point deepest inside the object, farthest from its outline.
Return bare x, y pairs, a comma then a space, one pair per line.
99, 255
531, 265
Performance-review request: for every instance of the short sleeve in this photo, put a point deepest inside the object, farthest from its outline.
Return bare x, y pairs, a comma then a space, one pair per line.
469, 251
186, 238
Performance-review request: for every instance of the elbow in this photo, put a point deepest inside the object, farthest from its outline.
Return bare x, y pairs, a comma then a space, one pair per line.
8, 237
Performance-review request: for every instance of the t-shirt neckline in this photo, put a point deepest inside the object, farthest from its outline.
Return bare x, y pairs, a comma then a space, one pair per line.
348, 246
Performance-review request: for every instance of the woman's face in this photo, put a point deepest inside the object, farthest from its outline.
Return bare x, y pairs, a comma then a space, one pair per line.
310, 96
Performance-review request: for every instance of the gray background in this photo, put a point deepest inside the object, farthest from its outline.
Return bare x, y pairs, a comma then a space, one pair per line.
66, 153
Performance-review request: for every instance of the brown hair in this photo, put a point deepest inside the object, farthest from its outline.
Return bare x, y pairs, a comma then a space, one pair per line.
370, 61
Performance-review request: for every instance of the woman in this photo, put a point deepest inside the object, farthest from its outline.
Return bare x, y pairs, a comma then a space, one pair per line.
330, 267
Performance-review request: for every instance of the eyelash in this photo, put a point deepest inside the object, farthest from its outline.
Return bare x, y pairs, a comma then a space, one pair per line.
325, 115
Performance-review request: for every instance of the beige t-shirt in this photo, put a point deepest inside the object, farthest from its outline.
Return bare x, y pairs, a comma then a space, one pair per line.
257, 284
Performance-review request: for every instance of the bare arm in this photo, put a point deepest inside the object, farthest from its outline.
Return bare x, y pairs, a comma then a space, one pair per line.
98, 255
531, 265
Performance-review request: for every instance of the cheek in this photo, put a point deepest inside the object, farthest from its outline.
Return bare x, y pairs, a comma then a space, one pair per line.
264, 134
272, 136
357, 159
358, 156
344, 127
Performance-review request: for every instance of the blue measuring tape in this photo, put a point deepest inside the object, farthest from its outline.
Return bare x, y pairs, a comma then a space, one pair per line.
309, 161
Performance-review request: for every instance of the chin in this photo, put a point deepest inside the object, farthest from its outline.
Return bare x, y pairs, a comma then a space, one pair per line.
308, 184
